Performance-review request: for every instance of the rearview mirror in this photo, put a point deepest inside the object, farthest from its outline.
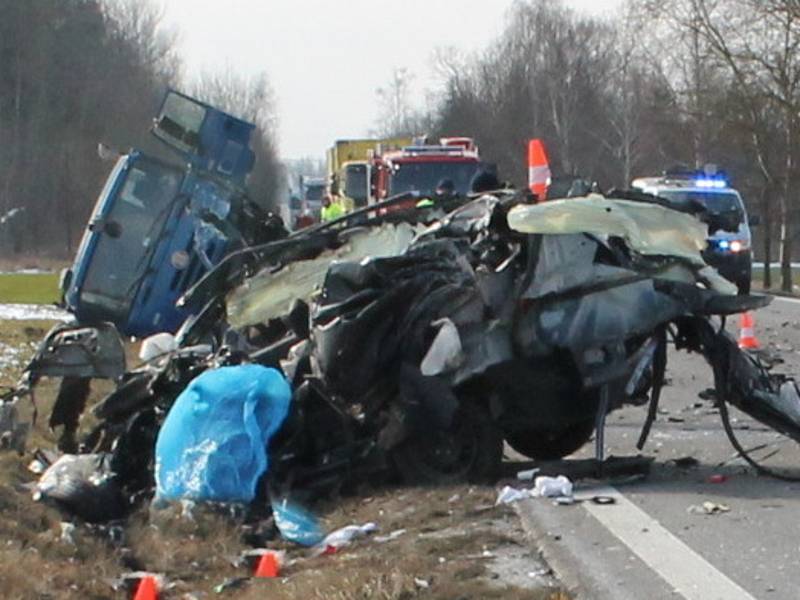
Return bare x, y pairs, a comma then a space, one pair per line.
754, 220
112, 229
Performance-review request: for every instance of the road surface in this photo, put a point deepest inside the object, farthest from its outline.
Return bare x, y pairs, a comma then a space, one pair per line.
652, 542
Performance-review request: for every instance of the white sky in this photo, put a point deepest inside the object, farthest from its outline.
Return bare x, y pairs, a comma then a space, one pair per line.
325, 59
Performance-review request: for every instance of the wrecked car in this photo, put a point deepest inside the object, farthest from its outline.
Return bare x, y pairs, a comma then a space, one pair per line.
418, 348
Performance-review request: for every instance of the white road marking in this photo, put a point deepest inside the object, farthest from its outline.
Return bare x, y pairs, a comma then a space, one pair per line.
785, 299
681, 567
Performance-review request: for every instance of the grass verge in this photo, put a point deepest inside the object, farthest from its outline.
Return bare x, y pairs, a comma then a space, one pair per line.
29, 288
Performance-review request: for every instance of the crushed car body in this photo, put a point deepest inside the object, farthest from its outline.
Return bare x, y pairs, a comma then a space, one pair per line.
499, 321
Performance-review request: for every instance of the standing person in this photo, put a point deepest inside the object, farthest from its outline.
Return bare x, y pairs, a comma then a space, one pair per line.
483, 182
445, 191
330, 209
441, 197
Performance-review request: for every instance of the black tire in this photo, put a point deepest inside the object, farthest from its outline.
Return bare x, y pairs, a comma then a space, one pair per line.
551, 445
470, 451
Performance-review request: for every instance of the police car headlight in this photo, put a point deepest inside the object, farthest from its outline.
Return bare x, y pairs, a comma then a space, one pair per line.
739, 245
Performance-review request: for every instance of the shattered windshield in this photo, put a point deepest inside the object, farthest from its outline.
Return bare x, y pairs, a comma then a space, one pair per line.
424, 176
128, 232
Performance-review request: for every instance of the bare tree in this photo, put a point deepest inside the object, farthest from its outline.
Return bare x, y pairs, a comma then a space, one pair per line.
757, 41
396, 116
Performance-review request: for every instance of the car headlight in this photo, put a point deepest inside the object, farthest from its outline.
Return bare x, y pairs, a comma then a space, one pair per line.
733, 246
739, 245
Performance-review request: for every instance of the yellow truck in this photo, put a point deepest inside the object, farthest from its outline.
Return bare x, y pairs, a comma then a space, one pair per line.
349, 167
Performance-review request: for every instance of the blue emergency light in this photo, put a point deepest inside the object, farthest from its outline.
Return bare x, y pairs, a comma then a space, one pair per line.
708, 182
711, 183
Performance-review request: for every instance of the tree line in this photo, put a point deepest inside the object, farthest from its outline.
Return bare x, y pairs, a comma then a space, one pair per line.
74, 73
668, 83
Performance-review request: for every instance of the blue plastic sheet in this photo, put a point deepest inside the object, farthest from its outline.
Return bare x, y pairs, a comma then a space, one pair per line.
296, 524
213, 444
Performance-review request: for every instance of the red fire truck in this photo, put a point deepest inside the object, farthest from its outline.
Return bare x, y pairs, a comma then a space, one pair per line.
419, 168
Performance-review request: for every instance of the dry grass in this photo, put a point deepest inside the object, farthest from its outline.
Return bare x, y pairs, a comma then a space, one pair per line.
449, 531
25, 336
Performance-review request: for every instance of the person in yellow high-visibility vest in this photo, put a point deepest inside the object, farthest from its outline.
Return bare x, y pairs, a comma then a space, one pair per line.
330, 209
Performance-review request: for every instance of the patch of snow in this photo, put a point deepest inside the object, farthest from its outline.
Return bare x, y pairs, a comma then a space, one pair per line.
28, 312
33, 271
9, 356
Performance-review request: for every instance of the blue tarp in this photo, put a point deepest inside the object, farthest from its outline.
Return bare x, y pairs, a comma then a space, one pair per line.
213, 444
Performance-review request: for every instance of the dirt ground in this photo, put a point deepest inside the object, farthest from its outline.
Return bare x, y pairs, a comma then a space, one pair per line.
445, 542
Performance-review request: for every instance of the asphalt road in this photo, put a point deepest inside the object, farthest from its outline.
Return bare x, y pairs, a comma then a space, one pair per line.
651, 543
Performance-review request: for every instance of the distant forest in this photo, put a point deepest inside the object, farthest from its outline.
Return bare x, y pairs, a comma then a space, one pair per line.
74, 73
668, 83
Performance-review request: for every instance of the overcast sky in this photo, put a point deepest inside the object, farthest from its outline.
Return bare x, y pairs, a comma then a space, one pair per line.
325, 59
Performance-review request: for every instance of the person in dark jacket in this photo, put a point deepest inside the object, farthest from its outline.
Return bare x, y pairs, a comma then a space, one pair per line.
445, 190
484, 181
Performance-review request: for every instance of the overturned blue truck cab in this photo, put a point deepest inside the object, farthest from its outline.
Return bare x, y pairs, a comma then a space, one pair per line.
159, 226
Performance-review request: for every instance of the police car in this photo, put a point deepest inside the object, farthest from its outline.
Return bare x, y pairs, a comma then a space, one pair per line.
708, 195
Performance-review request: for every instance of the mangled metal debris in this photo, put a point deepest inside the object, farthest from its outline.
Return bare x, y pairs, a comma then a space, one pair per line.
418, 350
273, 290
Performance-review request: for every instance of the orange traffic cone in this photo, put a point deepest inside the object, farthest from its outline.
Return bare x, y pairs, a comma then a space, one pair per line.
148, 589
268, 565
747, 335
538, 169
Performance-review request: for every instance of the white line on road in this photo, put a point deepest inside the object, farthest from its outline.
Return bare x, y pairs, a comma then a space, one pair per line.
681, 567
785, 299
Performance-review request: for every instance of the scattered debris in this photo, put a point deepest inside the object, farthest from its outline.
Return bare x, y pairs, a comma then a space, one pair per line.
84, 485
388, 538
564, 500
706, 394
233, 583
685, 462
422, 584
509, 495
67, 531
341, 537
296, 524
603, 500
552, 487
708, 508
528, 474
13, 433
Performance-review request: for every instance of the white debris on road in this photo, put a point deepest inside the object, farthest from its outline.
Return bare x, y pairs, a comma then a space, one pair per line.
29, 312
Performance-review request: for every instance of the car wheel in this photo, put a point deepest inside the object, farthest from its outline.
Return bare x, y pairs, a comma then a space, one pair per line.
470, 451
551, 445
